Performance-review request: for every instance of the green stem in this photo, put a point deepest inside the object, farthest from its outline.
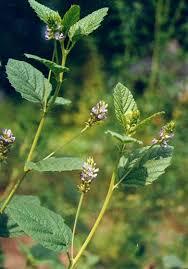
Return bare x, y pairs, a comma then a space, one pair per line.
58, 88
75, 224
97, 222
68, 142
13, 190
35, 140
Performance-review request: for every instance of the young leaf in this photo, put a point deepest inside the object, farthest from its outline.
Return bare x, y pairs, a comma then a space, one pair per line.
144, 165
54, 164
71, 17
55, 68
44, 13
8, 226
27, 80
124, 138
123, 102
87, 25
62, 101
42, 224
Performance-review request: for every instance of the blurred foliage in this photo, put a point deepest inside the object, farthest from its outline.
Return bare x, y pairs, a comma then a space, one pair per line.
142, 227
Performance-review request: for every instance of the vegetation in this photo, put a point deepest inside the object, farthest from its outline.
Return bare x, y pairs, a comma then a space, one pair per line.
131, 221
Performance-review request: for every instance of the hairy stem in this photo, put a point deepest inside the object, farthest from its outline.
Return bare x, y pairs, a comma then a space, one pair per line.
97, 222
75, 224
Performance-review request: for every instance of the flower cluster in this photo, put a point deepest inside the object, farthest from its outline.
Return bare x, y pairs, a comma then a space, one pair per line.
98, 113
166, 133
54, 33
6, 140
89, 172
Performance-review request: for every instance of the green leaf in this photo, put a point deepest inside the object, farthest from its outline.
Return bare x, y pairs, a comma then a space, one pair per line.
87, 25
62, 101
71, 17
42, 254
123, 102
55, 68
144, 165
27, 80
46, 14
149, 119
39, 255
8, 226
42, 224
54, 164
123, 138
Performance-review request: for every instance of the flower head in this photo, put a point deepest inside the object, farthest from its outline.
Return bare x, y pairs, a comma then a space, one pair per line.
6, 141
7, 136
166, 133
89, 172
54, 33
97, 113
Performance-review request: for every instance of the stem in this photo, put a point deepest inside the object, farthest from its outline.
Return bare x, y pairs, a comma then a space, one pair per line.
58, 88
97, 222
68, 142
75, 224
36, 138
11, 194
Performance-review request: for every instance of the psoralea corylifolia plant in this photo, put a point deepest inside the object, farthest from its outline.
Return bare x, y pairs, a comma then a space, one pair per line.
135, 166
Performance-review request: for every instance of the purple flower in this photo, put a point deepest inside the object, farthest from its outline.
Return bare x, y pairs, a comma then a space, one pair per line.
99, 111
89, 170
7, 136
54, 33
48, 33
59, 36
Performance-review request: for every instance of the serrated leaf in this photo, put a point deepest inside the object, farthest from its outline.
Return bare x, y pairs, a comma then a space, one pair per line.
123, 102
55, 68
10, 228
42, 224
87, 25
149, 119
123, 138
71, 17
62, 101
54, 164
46, 14
144, 165
27, 80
